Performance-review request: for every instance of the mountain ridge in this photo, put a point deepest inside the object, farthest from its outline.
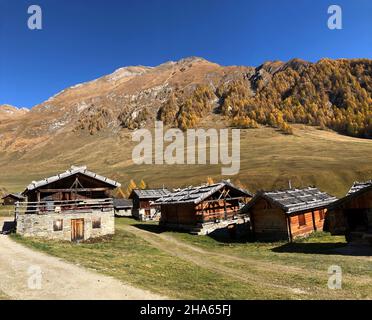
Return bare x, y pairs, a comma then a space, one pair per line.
265, 65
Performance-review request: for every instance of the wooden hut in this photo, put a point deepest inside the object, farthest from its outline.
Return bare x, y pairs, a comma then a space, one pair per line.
352, 215
123, 207
74, 205
203, 209
11, 198
144, 207
287, 214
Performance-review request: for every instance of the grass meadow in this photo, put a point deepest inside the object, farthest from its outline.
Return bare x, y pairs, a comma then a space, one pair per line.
269, 160
182, 266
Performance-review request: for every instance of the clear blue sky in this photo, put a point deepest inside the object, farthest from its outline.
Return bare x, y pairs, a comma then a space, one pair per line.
85, 39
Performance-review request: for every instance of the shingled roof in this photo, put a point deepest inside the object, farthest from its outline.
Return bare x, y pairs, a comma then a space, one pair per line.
355, 191
357, 186
294, 200
122, 203
149, 193
17, 195
74, 170
198, 194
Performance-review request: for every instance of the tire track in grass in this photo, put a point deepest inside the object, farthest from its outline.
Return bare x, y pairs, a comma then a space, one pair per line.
207, 260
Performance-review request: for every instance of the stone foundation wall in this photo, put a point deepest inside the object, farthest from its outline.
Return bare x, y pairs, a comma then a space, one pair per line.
123, 213
207, 228
140, 214
34, 225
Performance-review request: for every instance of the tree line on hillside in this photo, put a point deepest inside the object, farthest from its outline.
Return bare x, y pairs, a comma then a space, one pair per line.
125, 192
187, 113
335, 94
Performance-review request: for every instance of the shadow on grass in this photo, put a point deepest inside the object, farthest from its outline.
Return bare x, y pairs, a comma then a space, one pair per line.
222, 235
324, 248
154, 228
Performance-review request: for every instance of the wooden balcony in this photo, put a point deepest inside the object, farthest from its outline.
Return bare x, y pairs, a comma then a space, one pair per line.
64, 207
205, 216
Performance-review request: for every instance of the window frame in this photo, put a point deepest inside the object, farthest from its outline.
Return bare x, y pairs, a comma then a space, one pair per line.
321, 215
96, 223
55, 229
301, 220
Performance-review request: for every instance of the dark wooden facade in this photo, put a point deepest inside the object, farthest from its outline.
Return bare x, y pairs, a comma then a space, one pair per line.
77, 186
352, 215
210, 210
140, 203
271, 222
144, 207
11, 199
215, 203
64, 190
286, 215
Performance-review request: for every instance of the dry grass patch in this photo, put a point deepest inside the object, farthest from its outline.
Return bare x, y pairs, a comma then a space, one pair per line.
6, 211
269, 160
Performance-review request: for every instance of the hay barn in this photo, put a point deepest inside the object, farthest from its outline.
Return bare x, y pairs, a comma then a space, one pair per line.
11, 198
287, 214
144, 207
123, 207
352, 215
203, 209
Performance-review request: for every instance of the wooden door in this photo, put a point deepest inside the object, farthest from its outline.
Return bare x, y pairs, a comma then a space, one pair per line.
147, 213
77, 229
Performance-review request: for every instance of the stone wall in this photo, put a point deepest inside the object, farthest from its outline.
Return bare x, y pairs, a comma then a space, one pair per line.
141, 215
209, 227
34, 225
123, 213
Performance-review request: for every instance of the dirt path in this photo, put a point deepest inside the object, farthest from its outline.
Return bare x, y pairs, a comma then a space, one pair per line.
223, 264
184, 249
19, 268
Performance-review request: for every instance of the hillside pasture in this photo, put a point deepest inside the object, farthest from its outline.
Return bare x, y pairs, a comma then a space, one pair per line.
269, 160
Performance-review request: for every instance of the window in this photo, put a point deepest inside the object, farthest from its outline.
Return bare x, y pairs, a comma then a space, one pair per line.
96, 223
301, 220
321, 215
58, 225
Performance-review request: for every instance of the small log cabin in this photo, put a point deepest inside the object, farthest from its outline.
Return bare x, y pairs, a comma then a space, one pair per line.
123, 207
203, 209
11, 198
143, 203
287, 214
352, 215
74, 205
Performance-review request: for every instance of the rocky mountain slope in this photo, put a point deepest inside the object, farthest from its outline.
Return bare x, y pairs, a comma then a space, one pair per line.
7, 112
129, 97
331, 93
